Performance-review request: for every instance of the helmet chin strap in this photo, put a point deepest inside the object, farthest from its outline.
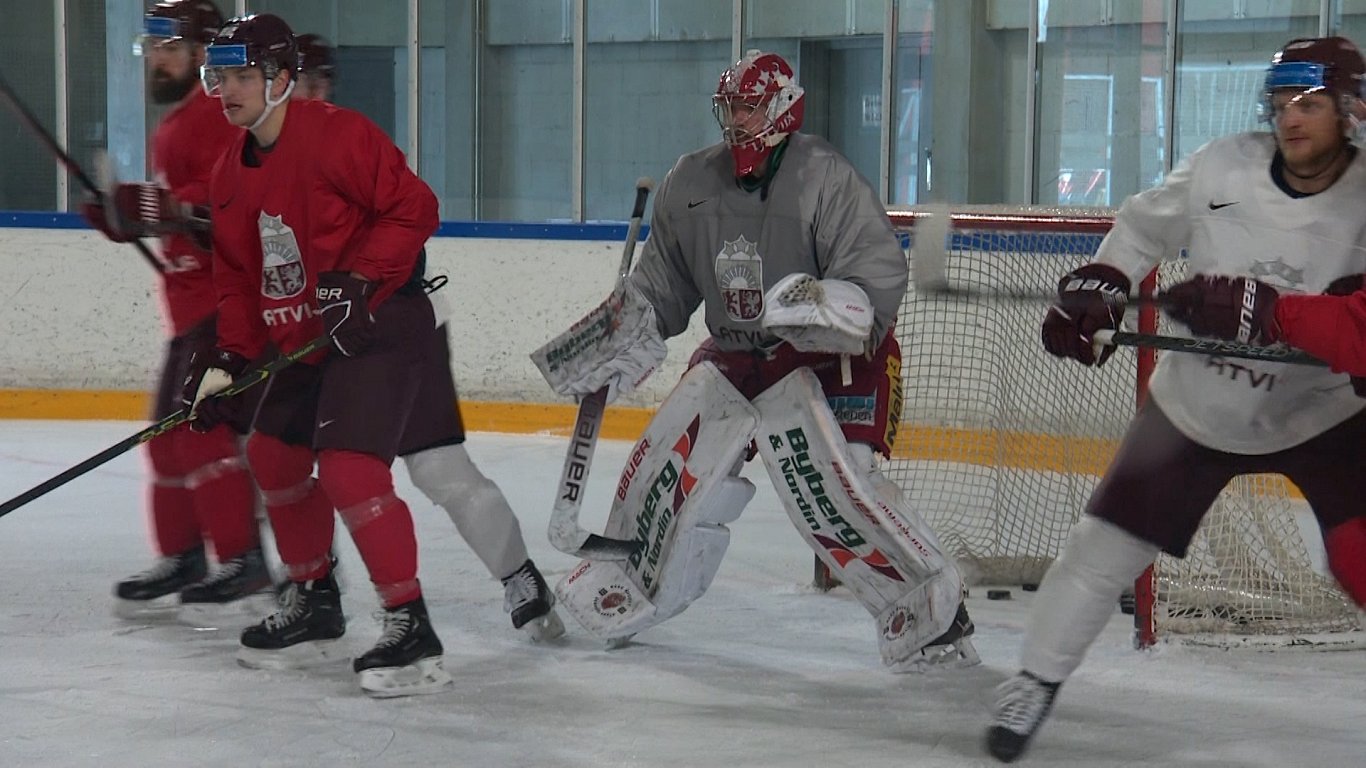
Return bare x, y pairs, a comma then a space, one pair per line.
271, 104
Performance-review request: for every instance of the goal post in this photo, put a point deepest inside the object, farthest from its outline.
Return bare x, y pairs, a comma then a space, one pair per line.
1001, 444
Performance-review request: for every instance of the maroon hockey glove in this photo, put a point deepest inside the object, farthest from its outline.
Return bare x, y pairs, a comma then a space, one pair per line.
1232, 308
344, 303
1346, 286
131, 211
1091, 298
211, 373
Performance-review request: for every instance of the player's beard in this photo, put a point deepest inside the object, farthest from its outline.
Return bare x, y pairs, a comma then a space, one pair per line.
165, 88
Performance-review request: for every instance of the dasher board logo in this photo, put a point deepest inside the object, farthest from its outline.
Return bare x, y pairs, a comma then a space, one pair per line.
740, 276
282, 266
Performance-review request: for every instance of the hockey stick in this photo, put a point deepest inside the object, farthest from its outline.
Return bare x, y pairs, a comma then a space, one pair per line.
564, 531
930, 252
240, 384
72, 167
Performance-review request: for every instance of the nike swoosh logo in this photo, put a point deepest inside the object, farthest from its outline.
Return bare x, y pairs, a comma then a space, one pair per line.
322, 424
1213, 206
695, 203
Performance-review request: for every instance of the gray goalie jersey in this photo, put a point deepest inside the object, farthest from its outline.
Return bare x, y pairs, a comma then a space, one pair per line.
713, 243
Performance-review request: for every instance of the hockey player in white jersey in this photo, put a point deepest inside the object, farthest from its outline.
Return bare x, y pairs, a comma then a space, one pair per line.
800, 274
1284, 206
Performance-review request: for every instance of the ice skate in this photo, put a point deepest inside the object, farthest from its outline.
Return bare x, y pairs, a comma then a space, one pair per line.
301, 633
951, 650
406, 661
238, 589
152, 593
531, 604
1022, 704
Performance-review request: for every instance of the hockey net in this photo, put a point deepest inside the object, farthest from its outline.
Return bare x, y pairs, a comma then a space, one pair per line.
1001, 445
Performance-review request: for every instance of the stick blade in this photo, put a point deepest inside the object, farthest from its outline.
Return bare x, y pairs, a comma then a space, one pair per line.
929, 250
591, 546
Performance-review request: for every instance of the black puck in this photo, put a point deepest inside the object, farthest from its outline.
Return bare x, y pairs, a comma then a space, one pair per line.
1030, 587
998, 594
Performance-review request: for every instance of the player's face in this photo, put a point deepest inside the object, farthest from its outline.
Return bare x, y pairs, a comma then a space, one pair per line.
1308, 128
243, 94
171, 70
741, 118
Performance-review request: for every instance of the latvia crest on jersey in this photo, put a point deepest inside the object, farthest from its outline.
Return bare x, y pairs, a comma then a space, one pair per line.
282, 266
740, 276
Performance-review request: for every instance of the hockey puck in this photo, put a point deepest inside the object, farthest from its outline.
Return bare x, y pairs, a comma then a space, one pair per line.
998, 594
1030, 587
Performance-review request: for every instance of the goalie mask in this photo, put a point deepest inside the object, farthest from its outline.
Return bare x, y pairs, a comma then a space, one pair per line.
262, 40
757, 104
1331, 65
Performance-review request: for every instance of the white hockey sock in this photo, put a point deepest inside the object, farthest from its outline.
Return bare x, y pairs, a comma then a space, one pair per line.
481, 513
1078, 596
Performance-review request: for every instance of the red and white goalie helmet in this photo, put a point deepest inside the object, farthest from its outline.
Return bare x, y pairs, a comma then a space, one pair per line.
757, 104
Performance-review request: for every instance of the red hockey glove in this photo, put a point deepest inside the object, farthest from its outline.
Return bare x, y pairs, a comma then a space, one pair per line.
131, 211
344, 303
1091, 298
209, 374
1232, 308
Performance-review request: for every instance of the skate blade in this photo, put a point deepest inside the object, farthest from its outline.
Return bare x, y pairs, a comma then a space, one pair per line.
234, 615
960, 654
613, 643
426, 676
304, 655
544, 628
160, 609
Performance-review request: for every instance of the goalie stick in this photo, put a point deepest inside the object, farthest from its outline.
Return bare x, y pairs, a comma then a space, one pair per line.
240, 384
72, 167
564, 531
929, 253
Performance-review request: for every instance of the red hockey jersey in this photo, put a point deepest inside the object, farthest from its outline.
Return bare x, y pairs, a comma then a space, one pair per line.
333, 193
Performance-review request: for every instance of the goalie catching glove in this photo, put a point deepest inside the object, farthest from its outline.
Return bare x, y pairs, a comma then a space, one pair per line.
617, 345
832, 316
135, 210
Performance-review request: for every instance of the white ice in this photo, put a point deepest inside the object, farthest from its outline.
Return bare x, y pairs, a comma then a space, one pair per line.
762, 671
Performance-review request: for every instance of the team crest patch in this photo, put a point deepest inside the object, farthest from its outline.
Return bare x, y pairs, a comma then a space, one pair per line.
613, 600
282, 266
897, 623
740, 276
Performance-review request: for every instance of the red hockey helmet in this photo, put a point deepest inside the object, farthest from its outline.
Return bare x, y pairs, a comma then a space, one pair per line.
315, 55
1316, 64
757, 104
171, 20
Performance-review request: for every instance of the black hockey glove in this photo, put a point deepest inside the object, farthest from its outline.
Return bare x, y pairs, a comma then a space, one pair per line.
343, 301
209, 374
1091, 298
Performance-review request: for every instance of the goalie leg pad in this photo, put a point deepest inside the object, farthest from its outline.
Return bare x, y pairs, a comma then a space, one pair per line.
675, 495
882, 551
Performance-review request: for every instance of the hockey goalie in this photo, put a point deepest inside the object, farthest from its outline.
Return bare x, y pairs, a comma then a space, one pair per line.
800, 275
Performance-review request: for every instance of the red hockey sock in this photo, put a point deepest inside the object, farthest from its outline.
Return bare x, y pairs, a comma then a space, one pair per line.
300, 512
382, 527
1346, 547
224, 497
174, 527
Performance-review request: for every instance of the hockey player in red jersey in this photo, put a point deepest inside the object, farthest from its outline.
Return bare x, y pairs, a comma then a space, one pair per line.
317, 228
1285, 204
441, 467
200, 489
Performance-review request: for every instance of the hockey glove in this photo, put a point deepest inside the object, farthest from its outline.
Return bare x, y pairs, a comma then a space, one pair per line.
1346, 286
831, 316
131, 211
1091, 298
344, 303
209, 374
1232, 308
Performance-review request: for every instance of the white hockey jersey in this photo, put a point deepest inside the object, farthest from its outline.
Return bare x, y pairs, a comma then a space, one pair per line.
1223, 207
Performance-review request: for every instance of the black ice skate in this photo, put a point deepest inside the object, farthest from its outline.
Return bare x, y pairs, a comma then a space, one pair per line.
953, 648
150, 593
1022, 703
302, 633
406, 661
239, 585
531, 604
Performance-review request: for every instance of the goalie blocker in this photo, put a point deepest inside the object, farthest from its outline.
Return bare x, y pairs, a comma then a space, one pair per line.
680, 488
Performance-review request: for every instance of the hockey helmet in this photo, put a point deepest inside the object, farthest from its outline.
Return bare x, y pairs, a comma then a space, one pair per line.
757, 104
172, 20
1332, 65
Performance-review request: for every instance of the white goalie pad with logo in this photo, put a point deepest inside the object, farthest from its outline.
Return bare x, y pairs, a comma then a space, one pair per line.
675, 495
877, 546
